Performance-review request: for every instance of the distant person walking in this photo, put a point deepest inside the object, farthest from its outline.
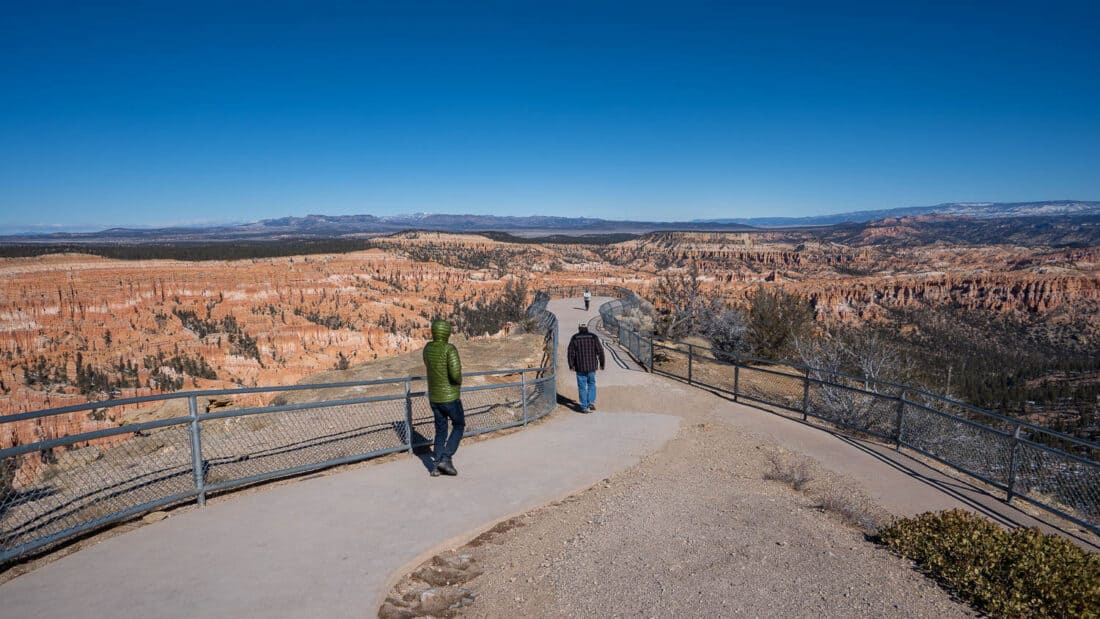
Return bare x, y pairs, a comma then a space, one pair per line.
587, 299
585, 355
444, 385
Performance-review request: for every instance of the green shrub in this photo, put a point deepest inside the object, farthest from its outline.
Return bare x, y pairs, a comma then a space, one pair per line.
1018, 573
777, 319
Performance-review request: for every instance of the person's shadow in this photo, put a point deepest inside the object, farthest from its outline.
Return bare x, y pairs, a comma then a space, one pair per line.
570, 403
422, 446
424, 452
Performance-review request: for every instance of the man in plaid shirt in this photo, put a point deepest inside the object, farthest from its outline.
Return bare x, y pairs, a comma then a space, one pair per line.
585, 355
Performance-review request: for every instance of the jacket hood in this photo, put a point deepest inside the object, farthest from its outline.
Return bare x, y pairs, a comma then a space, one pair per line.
441, 330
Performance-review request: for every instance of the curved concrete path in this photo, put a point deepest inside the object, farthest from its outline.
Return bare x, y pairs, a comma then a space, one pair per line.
331, 546
621, 369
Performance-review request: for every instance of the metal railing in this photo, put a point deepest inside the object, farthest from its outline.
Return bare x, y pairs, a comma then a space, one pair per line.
185, 446
1049, 469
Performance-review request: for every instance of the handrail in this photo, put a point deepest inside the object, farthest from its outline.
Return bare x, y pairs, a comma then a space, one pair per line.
202, 393
744, 361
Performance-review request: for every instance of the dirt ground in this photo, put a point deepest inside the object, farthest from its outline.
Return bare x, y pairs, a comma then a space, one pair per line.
700, 528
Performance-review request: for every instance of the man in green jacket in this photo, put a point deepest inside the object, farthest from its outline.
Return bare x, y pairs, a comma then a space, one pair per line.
444, 384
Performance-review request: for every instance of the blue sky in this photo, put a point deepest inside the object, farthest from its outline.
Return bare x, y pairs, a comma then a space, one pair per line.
155, 113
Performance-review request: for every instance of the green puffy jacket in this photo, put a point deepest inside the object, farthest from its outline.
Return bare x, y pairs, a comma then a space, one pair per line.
444, 367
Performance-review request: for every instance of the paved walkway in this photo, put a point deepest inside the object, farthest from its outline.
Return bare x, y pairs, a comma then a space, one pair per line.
332, 546
621, 369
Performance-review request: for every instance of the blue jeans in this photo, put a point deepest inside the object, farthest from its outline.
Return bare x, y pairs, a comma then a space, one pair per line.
446, 446
586, 388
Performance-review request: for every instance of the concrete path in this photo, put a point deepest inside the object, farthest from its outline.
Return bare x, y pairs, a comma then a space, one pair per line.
620, 369
332, 545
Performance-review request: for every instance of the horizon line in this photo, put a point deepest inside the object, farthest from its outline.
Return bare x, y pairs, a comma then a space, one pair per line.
95, 228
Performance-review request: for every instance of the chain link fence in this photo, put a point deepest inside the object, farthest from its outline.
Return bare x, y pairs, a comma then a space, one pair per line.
1054, 471
185, 446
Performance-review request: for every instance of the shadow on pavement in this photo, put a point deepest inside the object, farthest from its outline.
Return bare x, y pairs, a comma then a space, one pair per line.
570, 403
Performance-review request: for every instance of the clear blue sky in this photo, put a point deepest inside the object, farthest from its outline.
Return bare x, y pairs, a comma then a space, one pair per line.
158, 113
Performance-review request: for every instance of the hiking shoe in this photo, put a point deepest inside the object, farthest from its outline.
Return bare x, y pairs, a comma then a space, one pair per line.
435, 471
447, 468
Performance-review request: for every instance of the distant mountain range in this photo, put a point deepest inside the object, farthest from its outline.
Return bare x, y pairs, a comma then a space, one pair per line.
980, 210
325, 226
344, 226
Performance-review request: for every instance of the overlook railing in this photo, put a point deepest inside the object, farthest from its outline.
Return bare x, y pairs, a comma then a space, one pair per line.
201, 442
1049, 469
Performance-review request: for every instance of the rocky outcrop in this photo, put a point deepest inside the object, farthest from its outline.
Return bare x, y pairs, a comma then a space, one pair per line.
75, 327
1001, 293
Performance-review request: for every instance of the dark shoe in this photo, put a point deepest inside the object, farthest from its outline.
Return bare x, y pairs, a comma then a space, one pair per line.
591, 408
447, 468
434, 472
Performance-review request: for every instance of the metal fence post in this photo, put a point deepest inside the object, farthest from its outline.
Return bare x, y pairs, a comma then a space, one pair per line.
691, 360
196, 450
651, 354
806, 395
409, 414
736, 380
901, 420
523, 383
1012, 464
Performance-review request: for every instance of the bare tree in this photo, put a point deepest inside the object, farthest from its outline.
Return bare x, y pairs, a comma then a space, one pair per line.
850, 366
682, 303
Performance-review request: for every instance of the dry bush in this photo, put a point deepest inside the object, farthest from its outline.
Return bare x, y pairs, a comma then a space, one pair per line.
728, 333
849, 508
830, 495
639, 319
796, 472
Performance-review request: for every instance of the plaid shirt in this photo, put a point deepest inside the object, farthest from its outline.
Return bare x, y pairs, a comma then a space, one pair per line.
585, 352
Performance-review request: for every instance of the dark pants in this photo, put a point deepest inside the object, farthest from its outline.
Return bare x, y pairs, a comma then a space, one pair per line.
586, 305
446, 446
